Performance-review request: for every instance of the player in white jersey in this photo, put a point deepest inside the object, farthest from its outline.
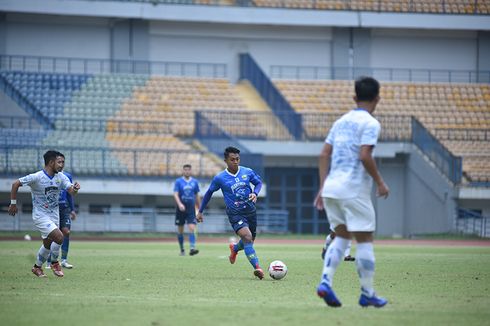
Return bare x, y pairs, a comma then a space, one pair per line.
45, 189
347, 168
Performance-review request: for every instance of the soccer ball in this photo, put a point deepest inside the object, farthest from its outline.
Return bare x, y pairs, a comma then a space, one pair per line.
278, 270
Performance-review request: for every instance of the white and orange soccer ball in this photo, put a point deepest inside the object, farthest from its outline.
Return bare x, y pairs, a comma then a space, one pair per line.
278, 270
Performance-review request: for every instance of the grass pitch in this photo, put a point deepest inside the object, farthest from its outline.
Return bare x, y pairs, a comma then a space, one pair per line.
131, 283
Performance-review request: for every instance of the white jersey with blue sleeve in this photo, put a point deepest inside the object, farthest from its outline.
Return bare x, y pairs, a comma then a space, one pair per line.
347, 177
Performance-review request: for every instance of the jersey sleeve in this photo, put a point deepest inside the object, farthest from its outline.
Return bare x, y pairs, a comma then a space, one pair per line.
29, 179
65, 182
330, 136
176, 185
370, 133
197, 189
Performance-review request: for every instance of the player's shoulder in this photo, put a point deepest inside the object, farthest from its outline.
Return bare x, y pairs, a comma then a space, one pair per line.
68, 174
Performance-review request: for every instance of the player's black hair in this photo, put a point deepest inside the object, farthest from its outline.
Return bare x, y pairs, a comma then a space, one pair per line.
367, 88
229, 150
51, 155
187, 166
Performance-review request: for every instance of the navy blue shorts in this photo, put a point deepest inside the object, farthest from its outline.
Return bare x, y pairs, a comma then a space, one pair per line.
65, 217
188, 216
240, 221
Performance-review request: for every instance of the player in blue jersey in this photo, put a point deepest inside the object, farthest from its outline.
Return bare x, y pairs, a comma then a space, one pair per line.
240, 200
186, 195
67, 214
45, 188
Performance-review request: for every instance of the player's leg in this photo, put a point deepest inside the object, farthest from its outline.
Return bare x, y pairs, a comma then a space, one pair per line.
347, 256
57, 239
45, 227
180, 221
65, 226
335, 251
363, 226
192, 237
328, 241
248, 246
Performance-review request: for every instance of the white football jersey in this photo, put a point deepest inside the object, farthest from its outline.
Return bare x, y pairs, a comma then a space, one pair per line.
45, 192
347, 177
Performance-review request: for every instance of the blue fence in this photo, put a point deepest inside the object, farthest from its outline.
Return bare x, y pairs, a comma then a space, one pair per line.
471, 222
105, 66
251, 71
216, 140
449, 164
384, 74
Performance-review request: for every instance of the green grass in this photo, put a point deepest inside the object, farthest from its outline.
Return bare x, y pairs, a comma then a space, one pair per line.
149, 284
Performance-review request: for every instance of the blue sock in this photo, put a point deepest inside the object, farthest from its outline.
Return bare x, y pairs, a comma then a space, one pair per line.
181, 241
250, 253
238, 246
192, 240
64, 247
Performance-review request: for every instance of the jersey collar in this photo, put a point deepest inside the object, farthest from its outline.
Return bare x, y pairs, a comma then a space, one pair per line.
234, 175
50, 177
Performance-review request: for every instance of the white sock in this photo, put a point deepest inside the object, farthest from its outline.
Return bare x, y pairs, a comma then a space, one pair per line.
333, 257
365, 263
55, 251
347, 251
42, 256
328, 241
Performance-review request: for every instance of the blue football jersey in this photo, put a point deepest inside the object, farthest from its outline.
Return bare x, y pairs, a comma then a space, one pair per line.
187, 190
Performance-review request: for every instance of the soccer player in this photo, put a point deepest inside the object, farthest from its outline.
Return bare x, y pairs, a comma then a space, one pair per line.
186, 195
67, 214
347, 168
240, 200
328, 240
45, 189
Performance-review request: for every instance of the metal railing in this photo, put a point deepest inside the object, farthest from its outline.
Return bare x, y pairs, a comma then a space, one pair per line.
462, 134
149, 220
107, 66
384, 74
251, 71
449, 164
471, 222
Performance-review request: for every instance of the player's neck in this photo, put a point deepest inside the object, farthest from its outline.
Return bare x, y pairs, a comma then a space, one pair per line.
232, 171
187, 178
49, 171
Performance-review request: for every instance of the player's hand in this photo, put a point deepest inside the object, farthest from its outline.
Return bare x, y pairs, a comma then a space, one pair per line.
13, 209
199, 217
383, 190
73, 215
252, 197
76, 187
318, 203
181, 207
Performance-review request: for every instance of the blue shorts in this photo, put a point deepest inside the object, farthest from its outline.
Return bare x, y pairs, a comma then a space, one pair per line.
65, 217
188, 216
247, 220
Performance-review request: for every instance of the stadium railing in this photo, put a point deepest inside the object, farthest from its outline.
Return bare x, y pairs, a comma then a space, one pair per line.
449, 164
216, 140
251, 71
385, 74
149, 220
471, 7
471, 222
463, 134
106, 66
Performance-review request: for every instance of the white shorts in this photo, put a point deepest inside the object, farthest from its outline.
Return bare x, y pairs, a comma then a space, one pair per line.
45, 225
356, 213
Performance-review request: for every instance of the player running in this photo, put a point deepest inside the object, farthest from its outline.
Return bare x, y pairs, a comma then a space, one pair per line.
240, 200
45, 189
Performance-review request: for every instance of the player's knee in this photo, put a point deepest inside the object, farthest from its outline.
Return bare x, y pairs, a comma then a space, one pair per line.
247, 238
66, 232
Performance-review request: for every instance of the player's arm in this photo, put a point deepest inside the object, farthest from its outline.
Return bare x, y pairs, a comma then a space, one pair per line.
323, 168
198, 201
179, 202
257, 182
71, 204
366, 157
204, 203
13, 197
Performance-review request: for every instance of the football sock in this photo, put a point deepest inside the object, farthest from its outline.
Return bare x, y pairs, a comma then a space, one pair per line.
328, 241
238, 246
250, 253
180, 237
365, 267
64, 247
55, 251
192, 240
347, 251
333, 257
42, 256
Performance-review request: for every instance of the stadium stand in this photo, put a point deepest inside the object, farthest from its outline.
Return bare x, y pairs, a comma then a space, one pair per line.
405, 6
444, 109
